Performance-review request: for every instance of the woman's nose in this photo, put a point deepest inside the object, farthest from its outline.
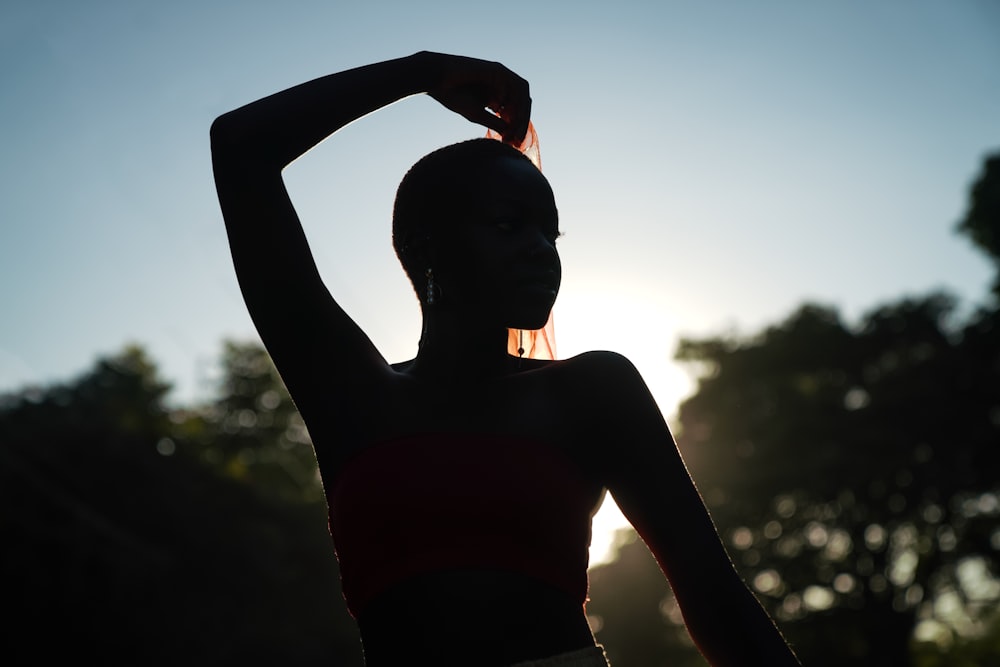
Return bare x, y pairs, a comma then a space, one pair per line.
542, 244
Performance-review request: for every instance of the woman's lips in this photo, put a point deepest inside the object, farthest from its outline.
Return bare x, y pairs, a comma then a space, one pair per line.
548, 280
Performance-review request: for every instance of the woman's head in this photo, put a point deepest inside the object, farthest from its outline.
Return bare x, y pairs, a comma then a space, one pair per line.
483, 218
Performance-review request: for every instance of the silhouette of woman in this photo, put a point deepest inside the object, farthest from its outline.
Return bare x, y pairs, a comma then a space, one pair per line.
461, 483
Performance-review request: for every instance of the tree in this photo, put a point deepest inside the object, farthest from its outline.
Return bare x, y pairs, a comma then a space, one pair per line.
123, 541
852, 469
981, 222
632, 612
252, 430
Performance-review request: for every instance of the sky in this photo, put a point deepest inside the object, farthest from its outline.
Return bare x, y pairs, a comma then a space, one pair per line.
715, 165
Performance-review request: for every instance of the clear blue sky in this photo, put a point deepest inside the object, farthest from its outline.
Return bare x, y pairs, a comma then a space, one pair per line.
715, 164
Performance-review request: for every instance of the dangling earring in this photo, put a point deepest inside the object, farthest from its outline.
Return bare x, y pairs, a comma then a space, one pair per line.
520, 343
430, 287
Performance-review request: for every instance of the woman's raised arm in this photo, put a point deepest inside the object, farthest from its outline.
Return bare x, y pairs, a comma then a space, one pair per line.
317, 348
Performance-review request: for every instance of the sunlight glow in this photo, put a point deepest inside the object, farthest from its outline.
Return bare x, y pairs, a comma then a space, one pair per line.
768, 582
625, 320
844, 583
607, 522
935, 632
818, 598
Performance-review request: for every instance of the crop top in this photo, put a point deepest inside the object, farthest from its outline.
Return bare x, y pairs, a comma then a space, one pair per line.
432, 502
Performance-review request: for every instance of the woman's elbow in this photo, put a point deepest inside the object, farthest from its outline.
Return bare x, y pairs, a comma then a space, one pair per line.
222, 133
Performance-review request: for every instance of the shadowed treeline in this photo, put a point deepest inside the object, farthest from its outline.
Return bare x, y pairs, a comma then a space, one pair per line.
138, 534
854, 474
852, 470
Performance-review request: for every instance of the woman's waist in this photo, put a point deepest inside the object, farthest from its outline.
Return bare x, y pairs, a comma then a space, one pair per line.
454, 614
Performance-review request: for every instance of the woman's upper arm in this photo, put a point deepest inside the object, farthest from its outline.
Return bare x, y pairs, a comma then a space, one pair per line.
649, 481
651, 485
312, 341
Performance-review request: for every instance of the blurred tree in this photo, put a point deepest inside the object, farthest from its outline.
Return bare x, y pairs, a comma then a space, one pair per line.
982, 221
979, 652
853, 470
121, 543
252, 430
633, 614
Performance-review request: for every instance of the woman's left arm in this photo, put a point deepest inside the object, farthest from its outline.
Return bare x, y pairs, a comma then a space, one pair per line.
652, 487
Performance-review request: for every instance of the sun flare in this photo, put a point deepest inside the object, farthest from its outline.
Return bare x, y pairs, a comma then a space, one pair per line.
643, 330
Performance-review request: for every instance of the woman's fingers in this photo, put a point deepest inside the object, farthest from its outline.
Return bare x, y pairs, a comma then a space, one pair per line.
518, 125
471, 107
486, 93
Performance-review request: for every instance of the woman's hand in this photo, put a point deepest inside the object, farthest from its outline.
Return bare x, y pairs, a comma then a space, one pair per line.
474, 88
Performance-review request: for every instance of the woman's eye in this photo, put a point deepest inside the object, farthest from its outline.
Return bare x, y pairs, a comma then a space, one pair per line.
506, 225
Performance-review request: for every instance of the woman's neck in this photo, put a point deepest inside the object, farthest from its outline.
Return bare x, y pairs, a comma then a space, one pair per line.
453, 350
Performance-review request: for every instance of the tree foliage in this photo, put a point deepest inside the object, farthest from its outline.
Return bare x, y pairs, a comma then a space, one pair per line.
252, 431
981, 222
852, 470
134, 533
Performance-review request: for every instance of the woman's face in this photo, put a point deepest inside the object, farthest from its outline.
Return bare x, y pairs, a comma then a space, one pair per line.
505, 251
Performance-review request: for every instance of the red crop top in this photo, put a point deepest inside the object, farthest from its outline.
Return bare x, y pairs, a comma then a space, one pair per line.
433, 502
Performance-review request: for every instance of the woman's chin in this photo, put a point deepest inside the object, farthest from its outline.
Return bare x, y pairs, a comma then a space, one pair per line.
530, 308
534, 322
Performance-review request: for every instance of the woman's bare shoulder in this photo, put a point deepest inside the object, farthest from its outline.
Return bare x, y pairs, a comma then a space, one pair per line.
604, 368
595, 359
607, 395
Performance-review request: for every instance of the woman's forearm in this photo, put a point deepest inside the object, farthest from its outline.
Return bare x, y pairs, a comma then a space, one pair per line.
277, 129
731, 628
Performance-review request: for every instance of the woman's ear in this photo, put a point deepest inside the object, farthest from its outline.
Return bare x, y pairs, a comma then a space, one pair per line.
422, 252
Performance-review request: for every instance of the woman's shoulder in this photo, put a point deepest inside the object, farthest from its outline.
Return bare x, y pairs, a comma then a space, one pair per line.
602, 365
599, 379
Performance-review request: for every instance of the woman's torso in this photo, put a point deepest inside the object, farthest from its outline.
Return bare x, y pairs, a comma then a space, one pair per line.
457, 609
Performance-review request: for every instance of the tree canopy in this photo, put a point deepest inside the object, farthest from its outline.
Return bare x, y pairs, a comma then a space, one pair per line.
980, 221
139, 534
852, 470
